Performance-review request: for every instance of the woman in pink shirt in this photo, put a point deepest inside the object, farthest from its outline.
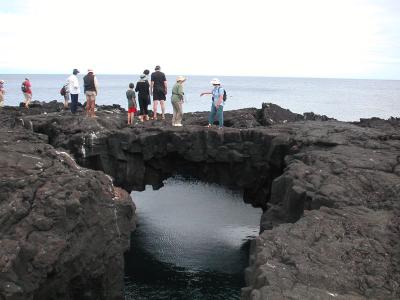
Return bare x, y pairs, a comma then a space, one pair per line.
26, 89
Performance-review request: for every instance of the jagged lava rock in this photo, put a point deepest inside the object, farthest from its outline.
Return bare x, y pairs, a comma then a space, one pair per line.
330, 189
63, 228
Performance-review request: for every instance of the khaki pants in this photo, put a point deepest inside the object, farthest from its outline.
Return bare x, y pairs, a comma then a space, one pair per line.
177, 116
28, 98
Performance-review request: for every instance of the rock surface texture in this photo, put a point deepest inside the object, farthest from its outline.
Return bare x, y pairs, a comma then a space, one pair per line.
63, 228
329, 190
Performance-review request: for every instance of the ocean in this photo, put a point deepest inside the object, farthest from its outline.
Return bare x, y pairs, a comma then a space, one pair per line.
343, 99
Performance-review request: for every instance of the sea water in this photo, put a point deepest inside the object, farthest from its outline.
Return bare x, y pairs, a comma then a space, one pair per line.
343, 99
191, 242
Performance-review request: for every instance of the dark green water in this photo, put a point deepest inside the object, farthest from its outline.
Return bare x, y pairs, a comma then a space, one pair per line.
191, 242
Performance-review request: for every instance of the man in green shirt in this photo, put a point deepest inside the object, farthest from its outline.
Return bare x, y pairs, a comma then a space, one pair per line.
177, 101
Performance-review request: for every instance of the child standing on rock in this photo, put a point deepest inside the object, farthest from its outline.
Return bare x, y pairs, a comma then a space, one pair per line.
132, 106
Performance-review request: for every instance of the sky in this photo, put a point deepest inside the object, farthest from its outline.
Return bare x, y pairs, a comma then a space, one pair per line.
286, 38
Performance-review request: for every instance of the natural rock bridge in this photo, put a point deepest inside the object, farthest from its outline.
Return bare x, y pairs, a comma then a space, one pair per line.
332, 187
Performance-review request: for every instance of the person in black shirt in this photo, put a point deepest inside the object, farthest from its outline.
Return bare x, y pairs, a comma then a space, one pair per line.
142, 87
158, 90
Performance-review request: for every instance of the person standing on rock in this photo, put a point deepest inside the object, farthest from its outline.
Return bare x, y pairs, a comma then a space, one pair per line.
65, 93
74, 89
91, 88
143, 89
147, 72
131, 96
217, 104
177, 101
2, 93
27, 91
158, 89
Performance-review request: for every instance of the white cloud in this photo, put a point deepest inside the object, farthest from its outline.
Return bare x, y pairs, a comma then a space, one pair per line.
260, 37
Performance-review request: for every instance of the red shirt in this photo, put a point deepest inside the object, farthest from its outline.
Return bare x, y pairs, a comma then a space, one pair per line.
28, 87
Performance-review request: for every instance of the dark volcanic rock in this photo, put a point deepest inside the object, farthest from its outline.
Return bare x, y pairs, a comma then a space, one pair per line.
272, 114
330, 190
341, 192
63, 228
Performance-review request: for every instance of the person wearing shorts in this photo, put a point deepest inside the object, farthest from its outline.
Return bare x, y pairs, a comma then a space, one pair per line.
91, 88
27, 92
158, 89
132, 106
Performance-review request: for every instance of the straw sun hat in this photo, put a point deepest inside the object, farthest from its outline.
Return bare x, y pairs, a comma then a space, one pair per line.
180, 78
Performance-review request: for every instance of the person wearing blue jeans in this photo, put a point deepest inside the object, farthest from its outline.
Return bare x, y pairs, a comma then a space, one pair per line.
74, 89
217, 105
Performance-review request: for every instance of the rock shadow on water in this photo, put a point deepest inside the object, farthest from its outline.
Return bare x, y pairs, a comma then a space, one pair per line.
148, 278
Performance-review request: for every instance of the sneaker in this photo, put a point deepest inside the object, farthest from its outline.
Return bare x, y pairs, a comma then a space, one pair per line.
178, 125
219, 128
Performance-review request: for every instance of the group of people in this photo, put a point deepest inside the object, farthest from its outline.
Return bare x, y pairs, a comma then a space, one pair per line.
26, 90
157, 88
71, 90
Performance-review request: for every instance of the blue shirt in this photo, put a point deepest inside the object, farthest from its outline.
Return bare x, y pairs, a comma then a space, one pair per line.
217, 92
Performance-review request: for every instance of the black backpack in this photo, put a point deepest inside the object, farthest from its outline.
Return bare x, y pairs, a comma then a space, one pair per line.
23, 87
63, 91
224, 97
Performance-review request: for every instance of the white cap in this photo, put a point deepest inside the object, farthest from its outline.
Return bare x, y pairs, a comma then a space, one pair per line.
180, 78
215, 81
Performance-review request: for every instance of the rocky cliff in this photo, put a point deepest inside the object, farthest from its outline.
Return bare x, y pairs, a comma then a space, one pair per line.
63, 228
329, 190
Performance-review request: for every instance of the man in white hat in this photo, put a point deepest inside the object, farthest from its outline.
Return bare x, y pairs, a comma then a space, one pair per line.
217, 105
2, 92
91, 88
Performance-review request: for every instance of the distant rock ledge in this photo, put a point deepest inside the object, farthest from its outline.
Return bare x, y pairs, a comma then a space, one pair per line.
329, 190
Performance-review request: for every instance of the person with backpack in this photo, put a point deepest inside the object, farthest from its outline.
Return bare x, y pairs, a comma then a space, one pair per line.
217, 105
74, 89
27, 91
91, 88
143, 90
65, 93
2, 93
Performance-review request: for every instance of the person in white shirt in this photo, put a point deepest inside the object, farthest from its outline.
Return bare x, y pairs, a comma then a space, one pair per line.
74, 89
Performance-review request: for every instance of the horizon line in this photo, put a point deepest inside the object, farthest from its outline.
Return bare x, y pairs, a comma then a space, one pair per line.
219, 75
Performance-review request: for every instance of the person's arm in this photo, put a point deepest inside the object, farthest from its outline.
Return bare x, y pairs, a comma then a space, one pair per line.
151, 87
136, 88
180, 92
205, 93
96, 85
165, 87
